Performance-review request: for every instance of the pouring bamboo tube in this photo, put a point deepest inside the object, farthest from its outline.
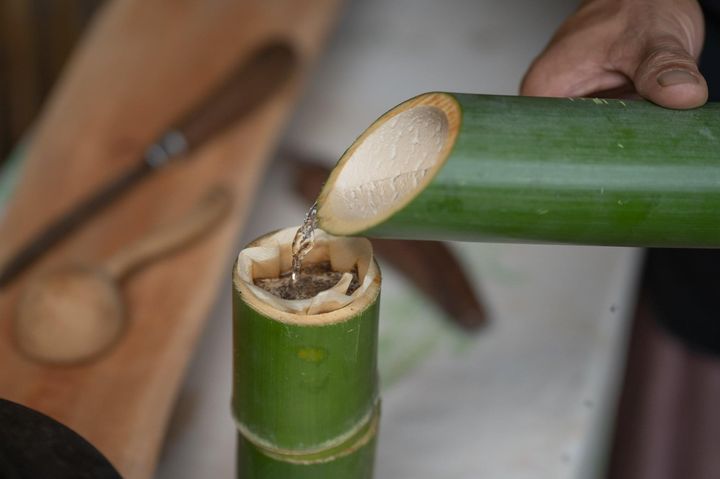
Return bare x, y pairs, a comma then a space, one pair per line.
305, 390
571, 170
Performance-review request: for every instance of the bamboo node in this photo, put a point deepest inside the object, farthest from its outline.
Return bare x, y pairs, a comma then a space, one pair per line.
347, 443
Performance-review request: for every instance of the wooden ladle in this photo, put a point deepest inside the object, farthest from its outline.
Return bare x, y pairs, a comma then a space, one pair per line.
76, 312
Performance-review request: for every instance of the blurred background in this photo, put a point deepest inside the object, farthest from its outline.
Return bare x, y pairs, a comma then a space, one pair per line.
532, 394
36, 39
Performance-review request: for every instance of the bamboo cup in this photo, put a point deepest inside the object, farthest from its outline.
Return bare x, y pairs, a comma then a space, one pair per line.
305, 383
555, 170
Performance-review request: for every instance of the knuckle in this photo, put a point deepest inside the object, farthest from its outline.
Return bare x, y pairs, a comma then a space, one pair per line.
664, 56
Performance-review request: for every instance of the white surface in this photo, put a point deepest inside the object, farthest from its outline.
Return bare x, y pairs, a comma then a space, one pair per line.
387, 169
530, 397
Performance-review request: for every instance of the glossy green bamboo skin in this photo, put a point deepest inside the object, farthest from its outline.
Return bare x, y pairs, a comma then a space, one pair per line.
298, 388
583, 171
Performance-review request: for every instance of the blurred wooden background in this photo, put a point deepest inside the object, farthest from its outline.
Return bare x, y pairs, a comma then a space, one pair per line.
36, 38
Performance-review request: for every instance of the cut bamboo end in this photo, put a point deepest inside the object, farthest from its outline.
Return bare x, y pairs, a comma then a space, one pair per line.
271, 255
389, 164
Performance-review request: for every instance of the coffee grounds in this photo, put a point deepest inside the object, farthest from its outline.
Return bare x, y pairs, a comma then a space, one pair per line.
312, 279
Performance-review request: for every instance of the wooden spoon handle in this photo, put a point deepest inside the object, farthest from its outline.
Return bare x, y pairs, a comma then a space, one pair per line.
166, 239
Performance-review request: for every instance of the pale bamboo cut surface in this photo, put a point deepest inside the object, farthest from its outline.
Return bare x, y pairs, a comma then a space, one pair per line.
140, 66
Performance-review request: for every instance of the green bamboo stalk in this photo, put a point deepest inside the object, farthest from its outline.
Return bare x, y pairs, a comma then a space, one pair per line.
305, 387
555, 170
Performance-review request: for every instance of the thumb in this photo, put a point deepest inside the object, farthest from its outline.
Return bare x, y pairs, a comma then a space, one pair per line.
668, 75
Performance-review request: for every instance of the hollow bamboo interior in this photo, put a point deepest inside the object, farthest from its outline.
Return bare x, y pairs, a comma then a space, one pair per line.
389, 164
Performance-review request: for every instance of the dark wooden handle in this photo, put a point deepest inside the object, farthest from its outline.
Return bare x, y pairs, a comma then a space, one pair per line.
62, 227
254, 82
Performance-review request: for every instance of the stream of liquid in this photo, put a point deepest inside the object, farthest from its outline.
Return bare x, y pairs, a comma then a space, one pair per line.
303, 242
303, 282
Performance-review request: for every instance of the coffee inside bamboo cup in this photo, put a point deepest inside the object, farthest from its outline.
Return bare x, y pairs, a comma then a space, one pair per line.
389, 164
270, 257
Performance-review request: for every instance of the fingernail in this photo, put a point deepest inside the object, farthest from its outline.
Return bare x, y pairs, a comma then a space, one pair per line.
676, 77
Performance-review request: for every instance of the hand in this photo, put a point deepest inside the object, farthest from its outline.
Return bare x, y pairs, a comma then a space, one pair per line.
621, 47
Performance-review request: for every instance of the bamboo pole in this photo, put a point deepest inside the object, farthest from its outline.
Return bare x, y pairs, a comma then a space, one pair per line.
558, 170
305, 390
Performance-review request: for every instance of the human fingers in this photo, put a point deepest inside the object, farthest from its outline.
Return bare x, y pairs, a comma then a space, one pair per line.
665, 73
574, 62
564, 70
625, 47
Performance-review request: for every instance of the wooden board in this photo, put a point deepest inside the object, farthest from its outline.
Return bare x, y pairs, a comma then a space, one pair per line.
139, 67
